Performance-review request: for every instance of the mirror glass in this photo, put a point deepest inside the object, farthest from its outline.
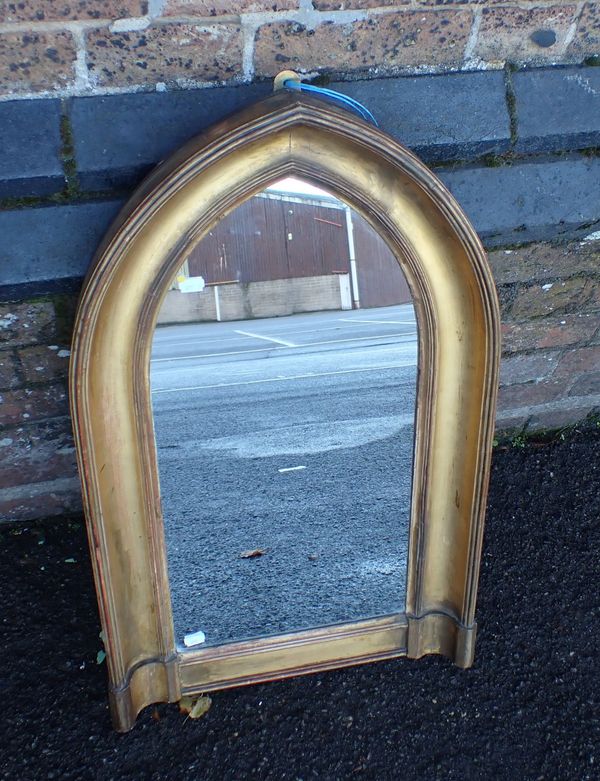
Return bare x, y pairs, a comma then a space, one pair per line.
283, 375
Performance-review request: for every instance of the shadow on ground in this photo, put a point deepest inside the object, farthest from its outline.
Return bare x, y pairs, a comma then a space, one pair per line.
528, 709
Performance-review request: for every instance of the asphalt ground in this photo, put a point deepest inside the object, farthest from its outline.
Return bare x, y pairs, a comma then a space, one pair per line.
528, 709
293, 437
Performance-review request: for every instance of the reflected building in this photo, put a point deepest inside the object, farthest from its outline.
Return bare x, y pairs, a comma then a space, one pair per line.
281, 253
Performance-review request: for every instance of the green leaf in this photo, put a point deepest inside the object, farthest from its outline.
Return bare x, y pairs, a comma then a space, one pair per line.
100, 657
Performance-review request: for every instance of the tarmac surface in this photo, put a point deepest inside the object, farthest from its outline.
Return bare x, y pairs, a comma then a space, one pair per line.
291, 437
528, 709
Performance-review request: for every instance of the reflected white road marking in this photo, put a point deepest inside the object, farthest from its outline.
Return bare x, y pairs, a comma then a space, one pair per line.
291, 469
310, 375
356, 321
267, 338
285, 347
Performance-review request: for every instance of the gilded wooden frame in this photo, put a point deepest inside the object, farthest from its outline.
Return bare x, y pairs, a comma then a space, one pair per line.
457, 312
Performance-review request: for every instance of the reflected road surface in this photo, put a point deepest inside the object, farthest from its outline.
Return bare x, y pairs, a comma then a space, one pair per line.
292, 436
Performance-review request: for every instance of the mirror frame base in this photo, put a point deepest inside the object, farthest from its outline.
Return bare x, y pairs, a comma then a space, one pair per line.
438, 633
372, 640
151, 681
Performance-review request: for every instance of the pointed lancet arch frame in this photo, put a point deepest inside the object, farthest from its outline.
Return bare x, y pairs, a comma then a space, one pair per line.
458, 318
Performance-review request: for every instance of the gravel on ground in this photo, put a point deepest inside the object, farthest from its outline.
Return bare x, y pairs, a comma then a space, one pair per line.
529, 708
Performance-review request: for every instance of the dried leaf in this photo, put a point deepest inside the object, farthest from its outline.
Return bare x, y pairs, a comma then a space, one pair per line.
195, 708
253, 554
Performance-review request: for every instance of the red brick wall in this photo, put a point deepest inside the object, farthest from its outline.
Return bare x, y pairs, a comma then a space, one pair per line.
37, 460
550, 300
550, 372
90, 46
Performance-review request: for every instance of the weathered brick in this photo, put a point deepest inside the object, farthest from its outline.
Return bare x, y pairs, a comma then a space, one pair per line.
586, 41
30, 404
443, 117
574, 362
65, 11
557, 109
171, 54
509, 424
26, 323
533, 35
116, 140
586, 384
30, 162
527, 201
545, 261
52, 242
570, 295
36, 452
44, 363
221, 7
9, 370
456, 115
385, 43
548, 332
530, 393
553, 417
36, 61
527, 368
40, 500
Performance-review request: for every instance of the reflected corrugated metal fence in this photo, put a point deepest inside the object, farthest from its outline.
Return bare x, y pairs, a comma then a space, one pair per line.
279, 236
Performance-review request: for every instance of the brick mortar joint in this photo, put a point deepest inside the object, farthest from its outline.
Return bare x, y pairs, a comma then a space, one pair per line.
67, 153
305, 10
404, 71
57, 382
75, 195
311, 18
560, 350
19, 370
573, 26
249, 23
11, 428
510, 98
549, 280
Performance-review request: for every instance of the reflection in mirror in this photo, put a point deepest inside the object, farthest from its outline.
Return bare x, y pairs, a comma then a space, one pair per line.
283, 377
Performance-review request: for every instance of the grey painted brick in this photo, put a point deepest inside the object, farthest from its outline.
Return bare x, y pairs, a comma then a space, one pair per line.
529, 201
557, 109
119, 138
30, 147
51, 243
456, 116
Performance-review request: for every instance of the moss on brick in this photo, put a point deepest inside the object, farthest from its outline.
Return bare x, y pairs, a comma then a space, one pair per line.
67, 155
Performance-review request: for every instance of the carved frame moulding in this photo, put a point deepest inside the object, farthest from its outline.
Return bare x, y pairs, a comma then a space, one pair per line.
458, 318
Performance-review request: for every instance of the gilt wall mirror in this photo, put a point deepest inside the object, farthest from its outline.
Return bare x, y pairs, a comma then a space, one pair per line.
283, 386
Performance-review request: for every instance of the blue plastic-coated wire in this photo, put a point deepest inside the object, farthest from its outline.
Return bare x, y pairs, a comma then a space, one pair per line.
345, 100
